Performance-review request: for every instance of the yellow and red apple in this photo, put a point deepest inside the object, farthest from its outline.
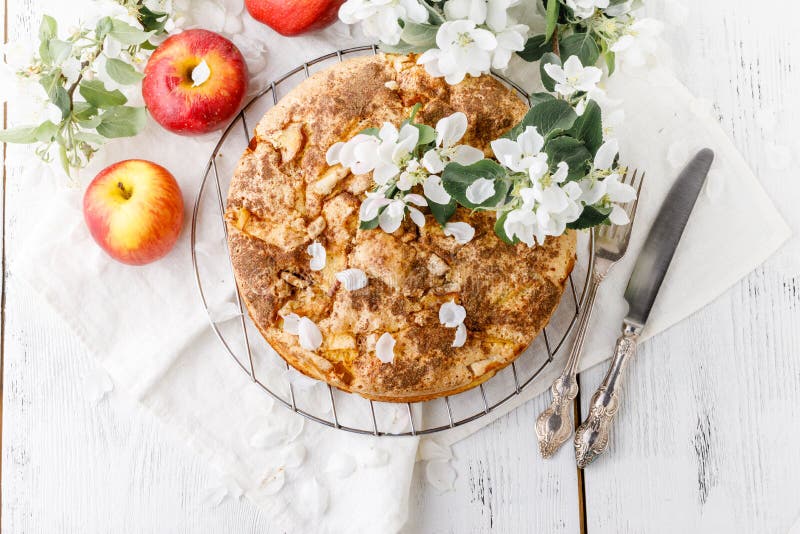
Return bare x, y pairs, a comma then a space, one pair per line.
134, 211
293, 17
194, 82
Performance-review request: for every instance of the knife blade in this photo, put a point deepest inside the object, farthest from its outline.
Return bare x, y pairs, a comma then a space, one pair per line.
592, 437
665, 234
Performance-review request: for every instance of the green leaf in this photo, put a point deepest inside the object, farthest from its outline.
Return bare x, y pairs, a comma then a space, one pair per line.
127, 34
550, 117
592, 216
370, 131
58, 95
548, 59
535, 48
48, 30
500, 229
582, 45
435, 16
58, 50
456, 178
399, 48
369, 225
91, 138
442, 212
83, 110
122, 73
588, 127
122, 121
611, 62
537, 98
103, 28
46, 132
427, 134
22, 135
421, 36
96, 94
152, 21
571, 151
551, 18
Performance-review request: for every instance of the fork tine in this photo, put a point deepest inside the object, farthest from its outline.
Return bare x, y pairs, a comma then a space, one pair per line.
638, 194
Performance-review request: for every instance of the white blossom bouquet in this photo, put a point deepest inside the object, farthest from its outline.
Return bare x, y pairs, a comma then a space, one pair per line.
554, 170
79, 112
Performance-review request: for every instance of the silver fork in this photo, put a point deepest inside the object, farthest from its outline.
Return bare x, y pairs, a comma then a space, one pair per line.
554, 425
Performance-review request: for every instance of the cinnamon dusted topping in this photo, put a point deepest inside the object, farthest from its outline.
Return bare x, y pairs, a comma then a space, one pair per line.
284, 197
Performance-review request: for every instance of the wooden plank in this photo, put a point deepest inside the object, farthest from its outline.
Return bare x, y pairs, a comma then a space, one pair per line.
706, 436
504, 486
3, 18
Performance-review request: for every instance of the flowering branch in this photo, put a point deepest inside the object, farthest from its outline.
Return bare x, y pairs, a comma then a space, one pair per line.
80, 113
554, 170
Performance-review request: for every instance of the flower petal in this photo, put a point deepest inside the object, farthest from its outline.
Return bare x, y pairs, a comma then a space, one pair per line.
309, 334
352, 279
461, 336
460, 231
450, 130
604, 158
318, 256
434, 191
480, 191
451, 314
384, 348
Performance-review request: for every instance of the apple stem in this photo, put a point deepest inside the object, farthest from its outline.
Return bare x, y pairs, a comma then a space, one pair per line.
125, 193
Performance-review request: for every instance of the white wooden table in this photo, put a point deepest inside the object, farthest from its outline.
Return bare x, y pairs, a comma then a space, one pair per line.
706, 442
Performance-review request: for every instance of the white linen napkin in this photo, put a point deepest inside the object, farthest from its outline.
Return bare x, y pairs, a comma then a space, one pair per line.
148, 330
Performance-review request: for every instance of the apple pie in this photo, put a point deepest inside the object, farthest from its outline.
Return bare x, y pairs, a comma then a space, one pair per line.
285, 199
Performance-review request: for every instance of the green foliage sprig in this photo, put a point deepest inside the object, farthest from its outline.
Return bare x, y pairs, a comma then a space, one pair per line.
67, 69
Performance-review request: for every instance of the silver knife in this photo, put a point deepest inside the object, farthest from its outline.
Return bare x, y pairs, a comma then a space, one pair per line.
591, 438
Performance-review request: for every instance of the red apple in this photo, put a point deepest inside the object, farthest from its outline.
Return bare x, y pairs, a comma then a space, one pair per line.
293, 17
134, 210
194, 82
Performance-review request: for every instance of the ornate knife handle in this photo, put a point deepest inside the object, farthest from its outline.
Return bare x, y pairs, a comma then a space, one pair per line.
591, 438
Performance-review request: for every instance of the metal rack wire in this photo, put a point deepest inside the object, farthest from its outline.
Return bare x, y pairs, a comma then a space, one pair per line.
215, 282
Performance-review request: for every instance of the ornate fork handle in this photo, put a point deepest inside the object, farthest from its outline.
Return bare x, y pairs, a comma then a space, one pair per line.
554, 425
591, 438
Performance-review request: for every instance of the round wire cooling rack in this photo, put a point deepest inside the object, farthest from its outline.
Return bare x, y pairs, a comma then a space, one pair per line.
316, 400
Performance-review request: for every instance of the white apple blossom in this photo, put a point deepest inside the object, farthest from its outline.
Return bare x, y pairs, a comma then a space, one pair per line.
584, 9
509, 40
380, 18
385, 155
546, 191
523, 155
394, 151
463, 49
510, 36
480, 191
639, 42
395, 211
603, 186
573, 77
521, 223
449, 131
